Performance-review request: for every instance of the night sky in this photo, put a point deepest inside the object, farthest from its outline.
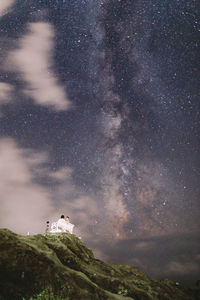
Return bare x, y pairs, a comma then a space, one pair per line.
99, 120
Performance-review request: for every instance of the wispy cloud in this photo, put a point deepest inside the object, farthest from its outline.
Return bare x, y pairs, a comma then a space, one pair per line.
24, 203
181, 268
27, 203
34, 60
5, 5
168, 256
5, 92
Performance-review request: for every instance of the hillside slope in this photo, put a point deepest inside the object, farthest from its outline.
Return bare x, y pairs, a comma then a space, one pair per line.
62, 266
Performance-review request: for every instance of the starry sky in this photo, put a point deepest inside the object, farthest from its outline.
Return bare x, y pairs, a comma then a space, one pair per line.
99, 120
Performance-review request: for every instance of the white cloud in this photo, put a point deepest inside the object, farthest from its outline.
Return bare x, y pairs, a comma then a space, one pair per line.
34, 60
25, 205
62, 174
4, 5
5, 92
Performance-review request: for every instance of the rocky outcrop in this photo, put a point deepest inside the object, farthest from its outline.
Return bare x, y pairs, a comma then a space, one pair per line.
62, 267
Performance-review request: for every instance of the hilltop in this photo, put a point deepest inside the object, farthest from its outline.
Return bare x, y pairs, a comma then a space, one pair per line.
61, 266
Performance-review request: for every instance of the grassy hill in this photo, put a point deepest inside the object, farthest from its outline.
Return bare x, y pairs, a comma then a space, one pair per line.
61, 266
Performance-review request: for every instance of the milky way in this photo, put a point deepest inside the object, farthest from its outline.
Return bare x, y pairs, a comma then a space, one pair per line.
99, 120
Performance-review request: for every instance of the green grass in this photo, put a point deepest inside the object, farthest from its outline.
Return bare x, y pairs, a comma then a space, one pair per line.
46, 295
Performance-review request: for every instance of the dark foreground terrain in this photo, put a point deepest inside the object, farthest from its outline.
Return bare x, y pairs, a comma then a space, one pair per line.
62, 267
